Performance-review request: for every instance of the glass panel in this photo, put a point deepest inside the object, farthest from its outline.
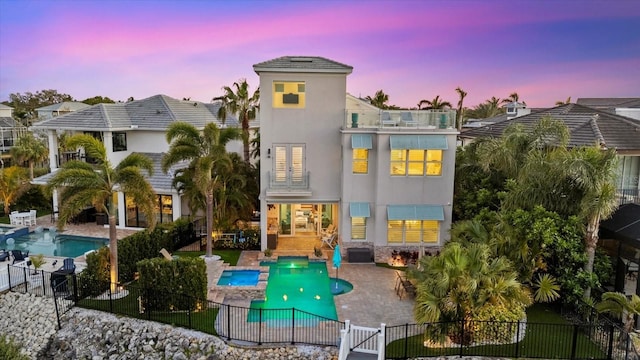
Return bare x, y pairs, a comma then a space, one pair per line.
394, 231
434, 162
297, 158
279, 87
412, 234
430, 231
398, 162
301, 88
167, 208
358, 228
360, 163
285, 219
280, 164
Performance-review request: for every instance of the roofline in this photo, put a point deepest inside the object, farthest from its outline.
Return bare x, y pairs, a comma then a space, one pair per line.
259, 69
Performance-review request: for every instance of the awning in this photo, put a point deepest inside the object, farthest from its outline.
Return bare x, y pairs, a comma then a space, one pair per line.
415, 212
361, 141
357, 209
423, 142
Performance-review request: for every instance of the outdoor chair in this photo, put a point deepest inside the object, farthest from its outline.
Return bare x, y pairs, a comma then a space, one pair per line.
330, 240
166, 254
386, 119
329, 230
407, 119
19, 256
4, 255
68, 266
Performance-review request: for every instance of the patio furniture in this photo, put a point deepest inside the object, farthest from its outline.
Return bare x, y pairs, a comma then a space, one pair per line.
4, 255
19, 256
330, 240
68, 266
386, 120
404, 286
359, 255
407, 119
166, 254
30, 219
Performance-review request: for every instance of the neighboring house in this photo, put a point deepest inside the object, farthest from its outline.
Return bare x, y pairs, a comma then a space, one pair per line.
10, 130
587, 126
629, 107
51, 111
137, 126
383, 178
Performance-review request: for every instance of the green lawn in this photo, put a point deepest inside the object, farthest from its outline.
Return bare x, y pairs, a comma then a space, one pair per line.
229, 256
548, 336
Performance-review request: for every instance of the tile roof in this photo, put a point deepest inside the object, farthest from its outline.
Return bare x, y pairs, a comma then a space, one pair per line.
302, 64
4, 107
153, 113
587, 126
9, 122
66, 105
609, 103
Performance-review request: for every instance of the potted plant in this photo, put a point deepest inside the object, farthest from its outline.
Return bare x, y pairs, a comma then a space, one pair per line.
268, 252
37, 261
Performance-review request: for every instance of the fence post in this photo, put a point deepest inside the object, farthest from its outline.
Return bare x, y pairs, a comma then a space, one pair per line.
461, 336
293, 326
406, 340
75, 288
610, 348
189, 315
55, 303
26, 284
517, 339
9, 275
259, 326
228, 322
44, 288
574, 342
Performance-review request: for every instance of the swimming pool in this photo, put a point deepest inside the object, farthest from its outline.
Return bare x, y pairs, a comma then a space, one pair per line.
55, 244
239, 277
296, 282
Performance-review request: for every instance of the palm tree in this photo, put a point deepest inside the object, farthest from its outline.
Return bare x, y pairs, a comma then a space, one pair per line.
379, 100
255, 144
13, 183
81, 183
28, 148
205, 152
513, 97
489, 108
435, 104
560, 102
618, 305
237, 101
593, 170
462, 95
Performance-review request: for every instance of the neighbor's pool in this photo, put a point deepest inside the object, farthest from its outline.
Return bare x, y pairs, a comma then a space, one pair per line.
239, 277
55, 244
296, 282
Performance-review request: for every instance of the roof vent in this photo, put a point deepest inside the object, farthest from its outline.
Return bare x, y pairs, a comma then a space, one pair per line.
301, 59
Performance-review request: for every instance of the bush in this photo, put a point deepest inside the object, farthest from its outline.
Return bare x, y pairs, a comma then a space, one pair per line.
95, 278
10, 350
180, 284
139, 246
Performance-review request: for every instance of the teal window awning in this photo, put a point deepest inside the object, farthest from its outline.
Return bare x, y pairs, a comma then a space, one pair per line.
415, 212
357, 209
361, 141
423, 142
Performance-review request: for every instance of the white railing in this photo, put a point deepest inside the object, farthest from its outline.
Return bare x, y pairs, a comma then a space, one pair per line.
418, 119
364, 339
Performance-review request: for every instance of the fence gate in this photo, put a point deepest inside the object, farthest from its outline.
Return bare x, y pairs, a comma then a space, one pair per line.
364, 339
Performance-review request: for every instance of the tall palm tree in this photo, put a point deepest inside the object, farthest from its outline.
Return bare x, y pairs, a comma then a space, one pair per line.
379, 100
205, 152
28, 148
237, 101
81, 183
560, 102
13, 183
593, 170
435, 104
513, 97
462, 95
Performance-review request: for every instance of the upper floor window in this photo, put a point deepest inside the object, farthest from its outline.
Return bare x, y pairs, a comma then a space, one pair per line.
289, 94
416, 162
119, 141
361, 143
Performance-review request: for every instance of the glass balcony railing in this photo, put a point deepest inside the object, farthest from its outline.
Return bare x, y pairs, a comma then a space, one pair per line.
416, 119
289, 181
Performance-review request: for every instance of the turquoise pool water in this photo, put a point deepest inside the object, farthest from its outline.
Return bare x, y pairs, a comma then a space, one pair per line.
296, 282
55, 244
239, 277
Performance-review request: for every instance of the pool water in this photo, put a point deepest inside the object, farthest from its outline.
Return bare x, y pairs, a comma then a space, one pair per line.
55, 244
239, 277
296, 282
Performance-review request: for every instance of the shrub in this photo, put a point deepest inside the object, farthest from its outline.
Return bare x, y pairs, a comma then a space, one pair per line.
139, 246
95, 279
10, 350
180, 284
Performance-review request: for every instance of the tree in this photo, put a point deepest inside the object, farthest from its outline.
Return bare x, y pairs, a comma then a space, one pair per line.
81, 183
560, 102
98, 100
513, 98
435, 104
593, 170
205, 152
489, 108
25, 105
237, 101
255, 144
618, 305
28, 148
379, 100
462, 94
13, 183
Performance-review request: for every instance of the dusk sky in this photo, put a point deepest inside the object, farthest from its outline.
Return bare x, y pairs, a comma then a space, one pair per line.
544, 50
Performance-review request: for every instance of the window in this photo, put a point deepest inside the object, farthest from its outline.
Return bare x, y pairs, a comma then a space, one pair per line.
289, 94
416, 162
163, 209
289, 164
360, 161
413, 231
358, 228
119, 141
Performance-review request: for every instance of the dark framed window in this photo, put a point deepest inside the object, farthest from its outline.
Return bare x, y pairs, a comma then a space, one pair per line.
119, 141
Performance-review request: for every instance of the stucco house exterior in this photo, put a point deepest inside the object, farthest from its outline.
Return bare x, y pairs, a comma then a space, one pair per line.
10, 130
383, 178
132, 127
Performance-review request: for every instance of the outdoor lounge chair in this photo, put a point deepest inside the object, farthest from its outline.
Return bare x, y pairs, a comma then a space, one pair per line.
68, 266
19, 256
4, 255
166, 254
407, 119
386, 119
331, 240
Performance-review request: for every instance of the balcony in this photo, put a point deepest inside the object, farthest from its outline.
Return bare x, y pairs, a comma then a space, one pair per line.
629, 196
401, 119
289, 185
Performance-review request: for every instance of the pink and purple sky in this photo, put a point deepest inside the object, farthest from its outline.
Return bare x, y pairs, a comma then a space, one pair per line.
545, 50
